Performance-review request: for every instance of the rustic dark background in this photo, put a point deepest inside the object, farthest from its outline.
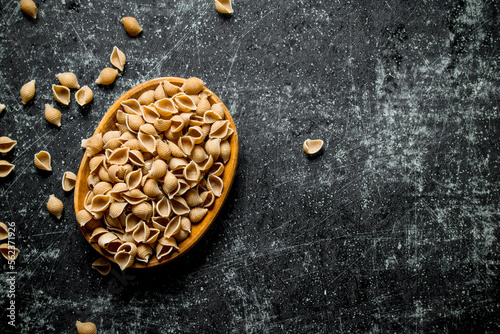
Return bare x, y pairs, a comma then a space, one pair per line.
393, 229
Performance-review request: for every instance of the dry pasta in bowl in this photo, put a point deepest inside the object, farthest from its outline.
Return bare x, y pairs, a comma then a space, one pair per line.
156, 172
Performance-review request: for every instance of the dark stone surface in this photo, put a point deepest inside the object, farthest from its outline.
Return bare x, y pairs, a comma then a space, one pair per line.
393, 229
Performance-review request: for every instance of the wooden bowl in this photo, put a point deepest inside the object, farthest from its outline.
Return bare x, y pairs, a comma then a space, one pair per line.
198, 229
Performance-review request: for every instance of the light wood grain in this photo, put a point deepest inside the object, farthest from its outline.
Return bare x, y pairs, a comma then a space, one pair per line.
199, 229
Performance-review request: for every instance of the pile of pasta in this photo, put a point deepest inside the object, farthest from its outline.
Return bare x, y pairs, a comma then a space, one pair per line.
156, 172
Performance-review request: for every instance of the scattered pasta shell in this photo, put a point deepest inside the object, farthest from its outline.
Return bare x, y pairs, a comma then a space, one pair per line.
131, 26
5, 168
55, 206
52, 115
118, 59
224, 6
107, 76
312, 146
124, 260
62, 94
29, 8
43, 161
84, 95
4, 231
2, 108
68, 181
27, 91
193, 85
86, 328
9, 252
6, 144
68, 79
102, 265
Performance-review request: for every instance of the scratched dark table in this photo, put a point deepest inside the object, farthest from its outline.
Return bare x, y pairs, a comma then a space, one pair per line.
393, 229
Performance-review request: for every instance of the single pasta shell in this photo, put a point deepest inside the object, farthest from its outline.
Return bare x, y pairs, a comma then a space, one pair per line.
107, 76
52, 115
68, 79
6, 251
147, 97
159, 92
170, 89
128, 247
212, 147
131, 26
4, 231
224, 6
162, 125
170, 182
225, 151
61, 94
102, 265
148, 129
55, 206
86, 328
312, 147
84, 95
27, 91
158, 169
100, 203
68, 181
43, 161
102, 188
203, 106
163, 207
147, 143
141, 232
2, 108
163, 150
118, 59
192, 172
83, 217
179, 206
184, 102
150, 114
143, 210
151, 188
215, 185
94, 145
117, 208
193, 85
144, 252
6, 144
132, 106
29, 8
197, 214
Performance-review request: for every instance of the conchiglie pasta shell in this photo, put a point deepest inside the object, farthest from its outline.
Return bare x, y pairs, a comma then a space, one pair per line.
100, 203
94, 145
5, 168
212, 147
117, 208
144, 252
6, 251
162, 124
203, 106
84, 95
184, 102
193, 85
197, 214
147, 143
159, 92
224, 6
150, 114
141, 232
55, 206
173, 227
68, 79
163, 207
225, 151
215, 185
193, 197
151, 188
131, 26
147, 97
62, 94
128, 247
95, 162
29, 8
166, 107
312, 147
110, 135
179, 206
27, 91
196, 133
134, 122
132, 106
43, 161
102, 188
119, 156
6, 145
134, 196
107, 76
170, 89
170, 183
192, 172
118, 59
208, 198
198, 154
102, 265
160, 223
219, 129
68, 181
158, 169
4, 231
186, 144
52, 115
136, 157
148, 129
124, 260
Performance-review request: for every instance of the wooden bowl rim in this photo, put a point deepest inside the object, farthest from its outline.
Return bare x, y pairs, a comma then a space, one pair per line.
201, 227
